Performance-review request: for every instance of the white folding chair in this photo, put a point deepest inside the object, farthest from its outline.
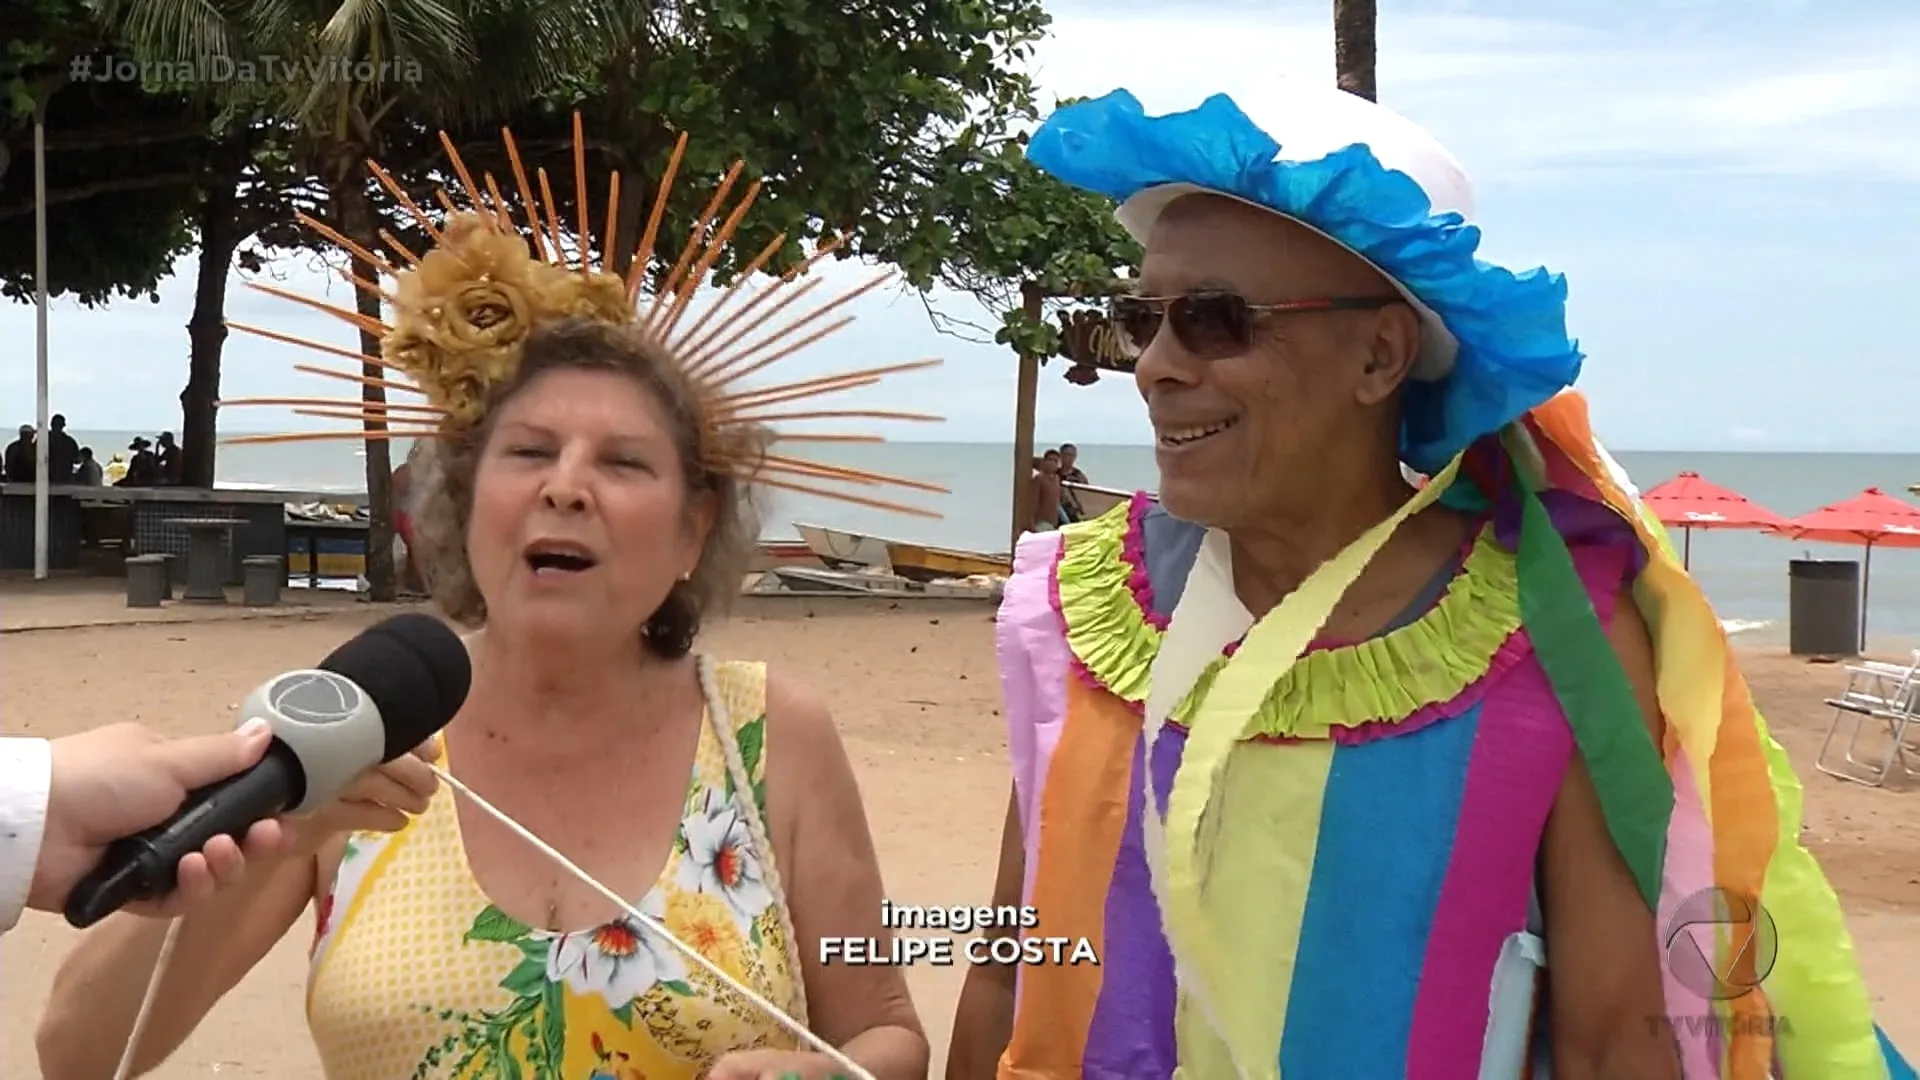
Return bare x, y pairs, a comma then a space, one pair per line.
1887, 695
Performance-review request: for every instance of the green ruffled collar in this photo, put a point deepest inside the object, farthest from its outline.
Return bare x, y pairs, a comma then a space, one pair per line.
1389, 684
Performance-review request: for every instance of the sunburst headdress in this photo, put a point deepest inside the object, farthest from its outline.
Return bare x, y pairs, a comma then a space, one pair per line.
462, 312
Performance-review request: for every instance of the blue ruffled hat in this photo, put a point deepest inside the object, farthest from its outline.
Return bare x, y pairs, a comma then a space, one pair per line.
1495, 342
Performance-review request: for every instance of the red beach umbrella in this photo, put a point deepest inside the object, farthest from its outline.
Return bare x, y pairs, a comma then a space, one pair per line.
1691, 502
1870, 518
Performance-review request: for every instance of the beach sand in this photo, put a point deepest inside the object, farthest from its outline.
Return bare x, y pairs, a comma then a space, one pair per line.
913, 687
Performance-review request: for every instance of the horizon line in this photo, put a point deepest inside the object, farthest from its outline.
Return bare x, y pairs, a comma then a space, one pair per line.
1038, 444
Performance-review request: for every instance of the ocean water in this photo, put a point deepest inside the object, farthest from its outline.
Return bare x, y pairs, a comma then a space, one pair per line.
1744, 574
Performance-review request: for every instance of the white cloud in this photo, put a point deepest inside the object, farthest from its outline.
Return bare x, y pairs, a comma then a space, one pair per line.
1534, 96
1771, 102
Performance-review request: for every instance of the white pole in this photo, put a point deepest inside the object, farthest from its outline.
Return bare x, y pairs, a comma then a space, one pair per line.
42, 444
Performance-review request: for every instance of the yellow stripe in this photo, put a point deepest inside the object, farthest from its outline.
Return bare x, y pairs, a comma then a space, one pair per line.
344, 918
1816, 987
1191, 836
1257, 889
1818, 991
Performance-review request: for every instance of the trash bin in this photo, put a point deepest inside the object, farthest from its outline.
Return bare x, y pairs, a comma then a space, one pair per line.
1823, 607
264, 575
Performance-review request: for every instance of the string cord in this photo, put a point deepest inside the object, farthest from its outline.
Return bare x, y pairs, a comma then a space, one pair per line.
653, 926
720, 718
148, 1000
722, 721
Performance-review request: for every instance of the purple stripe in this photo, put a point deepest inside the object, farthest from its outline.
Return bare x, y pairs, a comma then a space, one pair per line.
1581, 522
1132, 1030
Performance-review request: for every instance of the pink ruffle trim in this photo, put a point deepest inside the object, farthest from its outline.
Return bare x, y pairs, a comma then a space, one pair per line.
1133, 548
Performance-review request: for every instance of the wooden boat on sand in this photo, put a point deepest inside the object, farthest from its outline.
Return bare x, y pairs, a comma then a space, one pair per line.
802, 579
917, 562
842, 550
776, 553
1095, 501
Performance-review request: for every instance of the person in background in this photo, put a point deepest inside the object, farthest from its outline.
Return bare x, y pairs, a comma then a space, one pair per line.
87, 472
63, 453
18, 457
167, 460
143, 469
1046, 492
1070, 508
403, 504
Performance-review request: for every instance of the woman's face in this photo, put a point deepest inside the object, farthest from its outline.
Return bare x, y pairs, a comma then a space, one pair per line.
581, 521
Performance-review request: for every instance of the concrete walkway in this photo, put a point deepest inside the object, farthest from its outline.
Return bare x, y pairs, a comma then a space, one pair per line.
65, 603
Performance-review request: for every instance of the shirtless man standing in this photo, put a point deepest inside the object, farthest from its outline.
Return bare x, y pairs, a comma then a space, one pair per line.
1046, 492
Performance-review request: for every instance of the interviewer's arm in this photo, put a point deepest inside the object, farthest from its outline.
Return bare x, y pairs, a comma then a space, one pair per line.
26, 778
97, 992
983, 1022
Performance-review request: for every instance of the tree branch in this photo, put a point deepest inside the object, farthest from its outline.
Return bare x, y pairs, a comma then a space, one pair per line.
115, 138
102, 187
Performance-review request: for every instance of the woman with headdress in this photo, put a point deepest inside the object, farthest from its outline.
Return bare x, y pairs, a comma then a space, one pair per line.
1354, 779
586, 511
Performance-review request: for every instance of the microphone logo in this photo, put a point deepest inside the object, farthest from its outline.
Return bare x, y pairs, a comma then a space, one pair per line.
315, 697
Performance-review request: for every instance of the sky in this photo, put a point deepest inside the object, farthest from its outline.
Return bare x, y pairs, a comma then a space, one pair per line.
1730, 187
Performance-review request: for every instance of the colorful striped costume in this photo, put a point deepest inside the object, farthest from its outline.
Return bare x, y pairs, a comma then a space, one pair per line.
1338, 855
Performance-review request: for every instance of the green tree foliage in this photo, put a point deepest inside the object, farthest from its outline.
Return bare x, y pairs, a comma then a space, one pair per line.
854, 116
990, 222
341, 78
122, 164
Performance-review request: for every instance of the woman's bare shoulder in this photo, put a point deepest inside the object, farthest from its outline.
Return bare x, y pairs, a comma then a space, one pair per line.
800, 714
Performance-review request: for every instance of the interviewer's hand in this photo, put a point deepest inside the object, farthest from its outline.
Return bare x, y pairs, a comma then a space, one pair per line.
115, 781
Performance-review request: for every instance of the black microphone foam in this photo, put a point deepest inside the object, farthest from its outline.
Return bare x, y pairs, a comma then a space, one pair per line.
415, 673
414, 668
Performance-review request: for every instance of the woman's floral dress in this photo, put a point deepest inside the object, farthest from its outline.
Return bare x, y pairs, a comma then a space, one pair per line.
416, 974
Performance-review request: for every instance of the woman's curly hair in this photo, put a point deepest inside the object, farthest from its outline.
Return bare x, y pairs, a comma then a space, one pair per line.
446, 479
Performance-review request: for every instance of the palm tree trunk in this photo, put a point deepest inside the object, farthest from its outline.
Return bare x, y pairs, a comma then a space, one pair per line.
1354, 24
220, 236
353, 213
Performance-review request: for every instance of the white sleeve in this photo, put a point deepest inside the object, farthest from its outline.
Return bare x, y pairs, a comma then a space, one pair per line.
26, 777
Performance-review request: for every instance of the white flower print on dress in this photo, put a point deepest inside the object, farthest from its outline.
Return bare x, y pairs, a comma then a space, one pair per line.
619, 961
720, 858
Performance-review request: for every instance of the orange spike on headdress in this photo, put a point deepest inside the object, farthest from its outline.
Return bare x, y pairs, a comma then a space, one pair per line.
461, 313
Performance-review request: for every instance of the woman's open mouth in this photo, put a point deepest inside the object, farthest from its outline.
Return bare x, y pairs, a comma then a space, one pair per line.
556, 559
1187, 436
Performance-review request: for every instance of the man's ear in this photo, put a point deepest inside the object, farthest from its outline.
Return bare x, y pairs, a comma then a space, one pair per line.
1392, 347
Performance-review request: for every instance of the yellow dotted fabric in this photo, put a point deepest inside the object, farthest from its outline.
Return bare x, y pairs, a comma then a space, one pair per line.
416, 974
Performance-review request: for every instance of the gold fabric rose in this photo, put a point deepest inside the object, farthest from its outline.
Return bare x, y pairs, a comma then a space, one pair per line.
405, 348
464, 313
483, 314
601, 296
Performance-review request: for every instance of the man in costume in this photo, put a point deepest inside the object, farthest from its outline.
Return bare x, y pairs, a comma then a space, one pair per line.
1352, 780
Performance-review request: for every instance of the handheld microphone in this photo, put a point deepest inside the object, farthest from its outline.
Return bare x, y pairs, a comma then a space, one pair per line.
373, 699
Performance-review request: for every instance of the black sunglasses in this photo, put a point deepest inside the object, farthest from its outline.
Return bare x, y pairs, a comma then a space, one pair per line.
1214, 324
